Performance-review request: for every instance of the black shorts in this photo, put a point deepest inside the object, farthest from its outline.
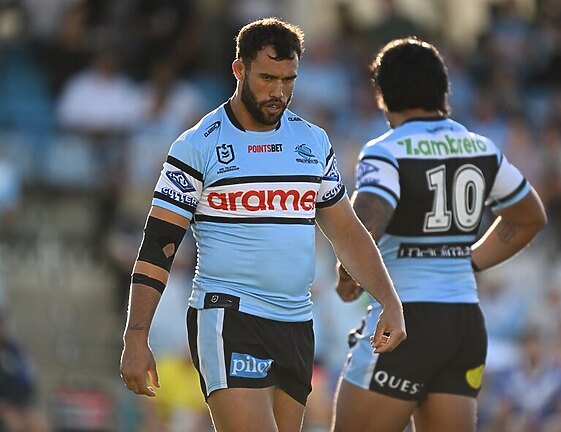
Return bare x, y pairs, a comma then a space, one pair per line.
444, 352
234, 349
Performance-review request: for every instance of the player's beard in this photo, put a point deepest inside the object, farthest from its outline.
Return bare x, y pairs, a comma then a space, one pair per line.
256, 109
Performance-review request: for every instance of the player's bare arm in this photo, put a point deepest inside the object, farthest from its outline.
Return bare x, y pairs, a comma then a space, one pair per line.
359, 254
162, 234
375, 213
515, 227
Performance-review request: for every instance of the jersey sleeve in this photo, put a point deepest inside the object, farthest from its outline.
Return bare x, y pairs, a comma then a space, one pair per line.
332, 189
180, 185
377, 172
510, 186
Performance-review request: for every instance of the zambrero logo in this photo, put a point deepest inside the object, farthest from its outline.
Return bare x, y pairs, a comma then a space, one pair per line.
262, 200
451, 146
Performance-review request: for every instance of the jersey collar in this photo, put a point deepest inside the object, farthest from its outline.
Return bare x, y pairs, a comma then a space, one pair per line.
425, 119
234, 120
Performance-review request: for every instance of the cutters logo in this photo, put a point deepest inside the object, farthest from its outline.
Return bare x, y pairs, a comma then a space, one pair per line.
246, 366
211, 128
179, 179
306, 155
332, 193
225, 153
262, 200
177, 196
383, 379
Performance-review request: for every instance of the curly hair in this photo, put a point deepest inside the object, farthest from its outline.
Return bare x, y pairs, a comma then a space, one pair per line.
409, 73
286, 39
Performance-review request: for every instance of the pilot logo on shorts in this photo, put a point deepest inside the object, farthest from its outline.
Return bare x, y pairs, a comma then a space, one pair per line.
247, 366
225, 153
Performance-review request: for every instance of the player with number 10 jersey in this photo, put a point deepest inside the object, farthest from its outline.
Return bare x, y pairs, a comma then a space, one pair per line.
439, 177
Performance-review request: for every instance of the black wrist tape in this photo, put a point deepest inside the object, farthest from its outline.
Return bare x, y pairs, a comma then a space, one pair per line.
148, 281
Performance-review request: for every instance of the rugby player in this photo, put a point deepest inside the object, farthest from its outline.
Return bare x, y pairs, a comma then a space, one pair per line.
421, 190
252, 180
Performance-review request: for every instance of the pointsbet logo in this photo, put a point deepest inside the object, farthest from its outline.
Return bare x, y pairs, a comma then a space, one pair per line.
450, 146
247, 366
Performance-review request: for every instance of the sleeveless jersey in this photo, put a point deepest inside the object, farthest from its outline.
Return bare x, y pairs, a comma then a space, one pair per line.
251, 198
439, 177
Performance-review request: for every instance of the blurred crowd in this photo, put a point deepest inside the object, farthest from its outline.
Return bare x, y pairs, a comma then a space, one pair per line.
93, 92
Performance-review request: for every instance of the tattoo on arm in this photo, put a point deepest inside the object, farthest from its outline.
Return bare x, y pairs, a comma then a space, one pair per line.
505, 232
136, 327
375, 213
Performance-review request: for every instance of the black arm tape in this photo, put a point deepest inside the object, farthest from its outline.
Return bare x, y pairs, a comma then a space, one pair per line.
148, 281
159, 234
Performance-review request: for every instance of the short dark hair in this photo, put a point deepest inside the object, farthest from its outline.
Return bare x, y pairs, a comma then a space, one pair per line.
409, 73
286, 39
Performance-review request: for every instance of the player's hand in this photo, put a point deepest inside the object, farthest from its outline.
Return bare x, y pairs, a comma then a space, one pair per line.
390, 330
347, 288
137, 361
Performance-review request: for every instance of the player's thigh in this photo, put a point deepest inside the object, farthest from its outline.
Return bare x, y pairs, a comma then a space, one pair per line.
441, 412
289, 413
358, 409
243, 410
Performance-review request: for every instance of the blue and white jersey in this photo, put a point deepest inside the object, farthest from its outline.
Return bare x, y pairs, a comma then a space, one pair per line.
439, 177
252, 198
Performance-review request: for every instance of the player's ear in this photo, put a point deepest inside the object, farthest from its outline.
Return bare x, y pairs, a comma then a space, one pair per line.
238, 69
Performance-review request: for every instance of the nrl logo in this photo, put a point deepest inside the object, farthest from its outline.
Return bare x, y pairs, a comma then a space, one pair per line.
225, 153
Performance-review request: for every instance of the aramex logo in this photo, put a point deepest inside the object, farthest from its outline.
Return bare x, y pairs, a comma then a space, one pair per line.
260, 200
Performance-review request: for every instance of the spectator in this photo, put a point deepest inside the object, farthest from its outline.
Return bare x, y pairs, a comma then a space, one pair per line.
17, 387
531, 391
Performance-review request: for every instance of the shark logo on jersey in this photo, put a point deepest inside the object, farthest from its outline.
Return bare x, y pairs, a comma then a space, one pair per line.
365, 175
225, 153
306, 154
179, 179
212, 128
